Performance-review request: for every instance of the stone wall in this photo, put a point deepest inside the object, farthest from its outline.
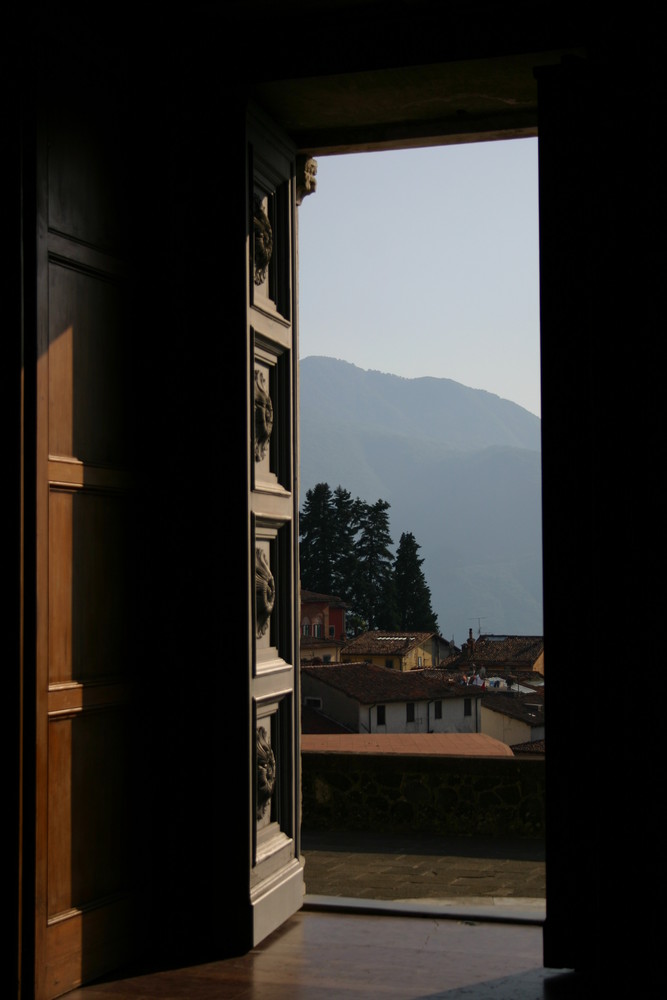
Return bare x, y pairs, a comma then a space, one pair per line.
452, 796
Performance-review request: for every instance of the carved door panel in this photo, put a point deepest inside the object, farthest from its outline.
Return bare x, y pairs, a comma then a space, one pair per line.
82, 657
276, 880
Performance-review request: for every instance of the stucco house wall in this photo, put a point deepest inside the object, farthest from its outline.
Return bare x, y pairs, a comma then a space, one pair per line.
508, 730
409, 661
327, 612
423, 652
335, 704
326, 650
454, 719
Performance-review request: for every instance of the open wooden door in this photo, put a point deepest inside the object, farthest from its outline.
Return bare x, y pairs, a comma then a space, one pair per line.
78, 497
161, 720
276, 881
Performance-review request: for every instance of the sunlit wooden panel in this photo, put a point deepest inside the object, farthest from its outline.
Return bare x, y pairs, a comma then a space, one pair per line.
88, 597
87, 813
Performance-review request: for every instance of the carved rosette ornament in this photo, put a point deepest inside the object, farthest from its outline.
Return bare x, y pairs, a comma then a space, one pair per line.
262, 241
266, 772
263, 416
265, 590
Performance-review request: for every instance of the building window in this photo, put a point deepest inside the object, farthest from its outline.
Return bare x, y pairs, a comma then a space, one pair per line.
467, 706
419, 661
305, 629
389, 663
381, 715
317, 631
410, 712
438, 709
332, 631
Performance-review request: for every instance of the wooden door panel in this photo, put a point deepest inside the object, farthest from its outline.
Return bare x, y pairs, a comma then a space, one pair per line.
82, 944
87, 364
88, 586
276, 879
83, 881
87, 162
87, 843
85, 885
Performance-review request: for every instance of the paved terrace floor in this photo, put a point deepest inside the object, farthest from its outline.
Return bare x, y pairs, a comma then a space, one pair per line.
500, 878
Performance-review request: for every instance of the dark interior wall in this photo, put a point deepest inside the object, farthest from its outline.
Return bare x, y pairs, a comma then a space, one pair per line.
570, 557
10, 408
311, 39
601, 198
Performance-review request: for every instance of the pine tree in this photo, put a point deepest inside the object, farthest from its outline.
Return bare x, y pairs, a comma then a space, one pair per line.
346, 551
316, 528
387, 615
346, 523
374, 563
413, 595
329, 523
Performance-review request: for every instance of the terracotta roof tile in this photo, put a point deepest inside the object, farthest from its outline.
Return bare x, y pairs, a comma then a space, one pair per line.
311, 597
504, 652
368, 684
527, 708
317, 642
408, 744
379, 642
509, 648
535, 747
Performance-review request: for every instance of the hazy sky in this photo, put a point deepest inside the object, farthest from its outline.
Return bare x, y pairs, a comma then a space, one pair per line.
426, 262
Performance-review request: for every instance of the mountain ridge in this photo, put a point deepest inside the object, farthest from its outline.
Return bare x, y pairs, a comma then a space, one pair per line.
476, 417
461, 469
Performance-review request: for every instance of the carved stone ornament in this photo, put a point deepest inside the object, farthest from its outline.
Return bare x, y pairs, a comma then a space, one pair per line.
265, 589
266, 772
262, 241
306, 172
263, 416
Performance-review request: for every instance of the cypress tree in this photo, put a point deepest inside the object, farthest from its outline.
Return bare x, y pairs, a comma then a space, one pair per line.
346, 514
317, 542
374, 563
413, 595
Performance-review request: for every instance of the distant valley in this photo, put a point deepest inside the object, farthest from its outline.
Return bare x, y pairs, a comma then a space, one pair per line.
461, 469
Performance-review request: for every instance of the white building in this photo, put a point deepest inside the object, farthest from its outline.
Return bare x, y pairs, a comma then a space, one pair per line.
371, 699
